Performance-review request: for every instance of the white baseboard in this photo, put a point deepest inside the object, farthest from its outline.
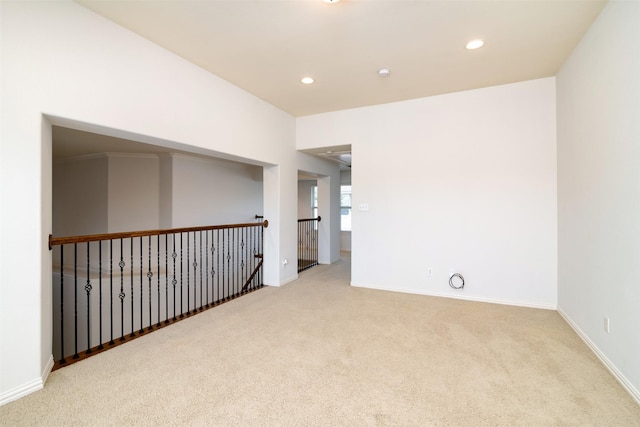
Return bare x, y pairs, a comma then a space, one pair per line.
289, 280
284, 282
605, 361
47, 369
461, 297
29, 387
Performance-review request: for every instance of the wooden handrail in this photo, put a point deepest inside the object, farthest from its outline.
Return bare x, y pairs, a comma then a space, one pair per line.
53, 241
311, 219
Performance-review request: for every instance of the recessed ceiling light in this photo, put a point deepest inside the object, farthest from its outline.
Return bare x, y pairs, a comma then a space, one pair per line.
331, 1
475, 44
307, 80
384, 72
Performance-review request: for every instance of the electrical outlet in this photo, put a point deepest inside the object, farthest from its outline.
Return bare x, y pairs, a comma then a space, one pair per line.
430, 271
606, 324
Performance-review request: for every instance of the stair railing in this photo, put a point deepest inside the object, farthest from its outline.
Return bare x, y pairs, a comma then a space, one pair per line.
307, 243
111, 288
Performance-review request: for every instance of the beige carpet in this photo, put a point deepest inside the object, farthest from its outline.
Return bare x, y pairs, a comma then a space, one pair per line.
318, 352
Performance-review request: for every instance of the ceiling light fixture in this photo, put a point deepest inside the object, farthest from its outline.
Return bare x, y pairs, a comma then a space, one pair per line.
331, 1
475, 44
384, 72
307, 80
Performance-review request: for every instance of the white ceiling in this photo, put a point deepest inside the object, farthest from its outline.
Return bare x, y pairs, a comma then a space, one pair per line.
266, 46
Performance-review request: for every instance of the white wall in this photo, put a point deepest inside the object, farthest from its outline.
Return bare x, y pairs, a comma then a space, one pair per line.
598, 101
305, 199
464, 181
63, 64
166, 190
80, 187
116, 192
345, 177
209, 191
133, 192
345, 241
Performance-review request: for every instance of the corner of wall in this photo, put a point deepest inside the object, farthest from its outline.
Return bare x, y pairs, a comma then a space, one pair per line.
619, 376
29, 387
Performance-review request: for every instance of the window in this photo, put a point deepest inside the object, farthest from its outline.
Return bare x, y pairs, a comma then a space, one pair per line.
314, 201
345, 208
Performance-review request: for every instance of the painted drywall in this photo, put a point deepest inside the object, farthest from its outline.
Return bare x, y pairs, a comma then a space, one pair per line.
63, 64
133, 192
345, 241
116, 192
345, 177
463, 182
166, 190
209, 191
46, 223
598, 104
305, 199
80, 192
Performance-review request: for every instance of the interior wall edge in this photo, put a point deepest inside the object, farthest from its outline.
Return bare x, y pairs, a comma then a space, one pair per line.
611, 367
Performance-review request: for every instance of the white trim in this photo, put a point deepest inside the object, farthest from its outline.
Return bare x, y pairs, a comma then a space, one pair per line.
28, 388
110, 154
21, 391
213, 160
462, 297
635, 394
284, 282
47, 370
81, 157
289, 280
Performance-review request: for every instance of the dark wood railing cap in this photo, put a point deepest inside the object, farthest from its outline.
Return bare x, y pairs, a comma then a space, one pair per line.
53, 241
311, 219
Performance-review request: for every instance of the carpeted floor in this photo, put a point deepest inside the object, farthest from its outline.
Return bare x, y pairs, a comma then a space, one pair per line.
318, 352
